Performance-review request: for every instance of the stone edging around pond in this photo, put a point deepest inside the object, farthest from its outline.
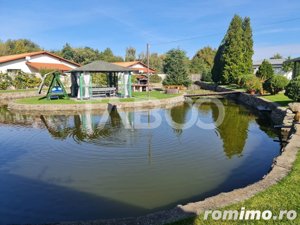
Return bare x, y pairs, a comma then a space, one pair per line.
14, 106
16, 95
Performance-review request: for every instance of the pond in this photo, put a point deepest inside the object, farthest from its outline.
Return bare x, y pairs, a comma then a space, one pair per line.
90, 165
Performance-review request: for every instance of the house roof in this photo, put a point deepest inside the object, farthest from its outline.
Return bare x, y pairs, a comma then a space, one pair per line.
294, 60
271, 61
50, 66
129, 64
9, 58
101, 66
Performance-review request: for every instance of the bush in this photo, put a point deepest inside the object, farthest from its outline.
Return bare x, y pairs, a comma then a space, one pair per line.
253, 84
24, 80
265, 71
155, 78
244, 79
99, 79
5, 81
275, 84
292, 90
207, 76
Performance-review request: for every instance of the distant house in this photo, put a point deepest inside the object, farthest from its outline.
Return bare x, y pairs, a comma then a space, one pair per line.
33, 62
137, 67
277, 65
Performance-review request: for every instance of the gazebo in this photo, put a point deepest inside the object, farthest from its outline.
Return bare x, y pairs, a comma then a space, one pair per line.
118, 81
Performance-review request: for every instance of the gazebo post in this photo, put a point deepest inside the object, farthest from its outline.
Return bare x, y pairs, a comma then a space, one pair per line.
81, 86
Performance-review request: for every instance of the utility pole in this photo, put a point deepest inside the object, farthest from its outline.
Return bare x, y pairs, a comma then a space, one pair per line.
148, 74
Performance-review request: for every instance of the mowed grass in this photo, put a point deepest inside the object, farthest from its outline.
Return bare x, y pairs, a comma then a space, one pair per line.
137, 96
279, 98
283, 196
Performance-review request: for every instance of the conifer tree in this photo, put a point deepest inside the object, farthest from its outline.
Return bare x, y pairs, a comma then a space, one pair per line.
248, 46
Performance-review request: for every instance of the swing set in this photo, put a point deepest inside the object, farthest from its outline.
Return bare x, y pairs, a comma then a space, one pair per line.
56, 88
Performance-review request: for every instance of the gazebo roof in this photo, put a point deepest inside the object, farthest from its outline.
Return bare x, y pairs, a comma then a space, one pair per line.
101, 66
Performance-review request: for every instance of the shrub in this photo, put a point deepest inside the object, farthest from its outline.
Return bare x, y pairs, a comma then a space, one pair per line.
275, 84
253, 84
292, 90
265, 71
99, 79
5, 81
155, 78
207, 76
244, 79
24, 80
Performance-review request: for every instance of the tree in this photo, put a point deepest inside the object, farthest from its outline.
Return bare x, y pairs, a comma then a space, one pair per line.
234, 55
176, 67
155, 61
218, 67
130, 54
108, 56
276, 56
265, 71
67, 52
248, 46
203, 61
18, 46
233, 51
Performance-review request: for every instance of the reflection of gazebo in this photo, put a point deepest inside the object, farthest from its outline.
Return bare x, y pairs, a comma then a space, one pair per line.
118, 80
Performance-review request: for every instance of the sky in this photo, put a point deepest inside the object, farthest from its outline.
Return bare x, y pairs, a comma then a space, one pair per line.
188, 25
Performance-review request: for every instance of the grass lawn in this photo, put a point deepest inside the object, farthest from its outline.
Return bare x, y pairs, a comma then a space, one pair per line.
283, 196
137, 96
280, 98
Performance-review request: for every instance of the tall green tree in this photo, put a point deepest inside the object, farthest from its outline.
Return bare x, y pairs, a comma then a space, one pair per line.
234, 55
218, 67
130, 54
233, 51
248, 46
68, 52
176, 66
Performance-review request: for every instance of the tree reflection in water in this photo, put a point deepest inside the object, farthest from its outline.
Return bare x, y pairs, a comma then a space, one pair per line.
234, 129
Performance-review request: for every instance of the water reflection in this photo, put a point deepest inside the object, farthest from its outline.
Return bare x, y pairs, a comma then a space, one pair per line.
234, 129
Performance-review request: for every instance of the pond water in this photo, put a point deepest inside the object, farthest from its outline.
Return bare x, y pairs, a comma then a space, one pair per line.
94, 166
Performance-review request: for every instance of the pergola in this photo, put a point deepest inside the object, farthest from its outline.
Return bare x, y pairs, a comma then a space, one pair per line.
118, 81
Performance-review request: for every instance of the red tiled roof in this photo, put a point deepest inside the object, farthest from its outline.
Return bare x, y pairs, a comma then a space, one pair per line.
50, 66
9, 58
129, 64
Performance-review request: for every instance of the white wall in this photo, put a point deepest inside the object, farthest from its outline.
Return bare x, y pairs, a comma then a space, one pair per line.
21, 63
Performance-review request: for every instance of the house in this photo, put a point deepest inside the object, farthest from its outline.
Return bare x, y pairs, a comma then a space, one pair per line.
33, 62
277, 65
136, 66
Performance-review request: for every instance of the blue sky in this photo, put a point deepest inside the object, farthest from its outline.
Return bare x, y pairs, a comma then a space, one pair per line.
118, 24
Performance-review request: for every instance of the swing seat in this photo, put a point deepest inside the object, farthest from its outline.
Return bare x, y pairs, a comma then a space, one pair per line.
57, 90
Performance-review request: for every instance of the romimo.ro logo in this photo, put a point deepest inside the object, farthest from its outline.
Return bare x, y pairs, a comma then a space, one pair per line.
249, 215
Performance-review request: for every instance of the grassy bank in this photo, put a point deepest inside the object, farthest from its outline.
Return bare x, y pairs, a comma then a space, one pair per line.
283, 196
280, 99
137, 96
